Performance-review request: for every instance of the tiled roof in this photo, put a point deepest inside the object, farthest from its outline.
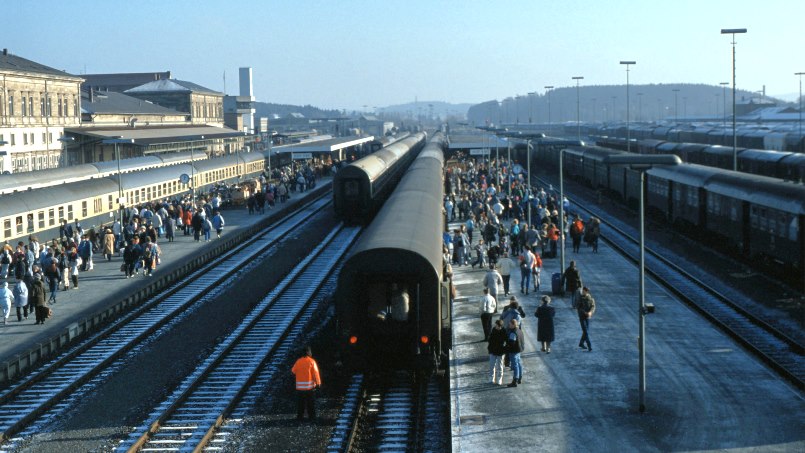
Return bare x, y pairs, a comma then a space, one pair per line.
9, 62
171, 86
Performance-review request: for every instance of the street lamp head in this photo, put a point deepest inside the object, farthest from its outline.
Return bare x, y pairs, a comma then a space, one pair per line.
578, 77
628, 62
723, 83
732, 31
548, 87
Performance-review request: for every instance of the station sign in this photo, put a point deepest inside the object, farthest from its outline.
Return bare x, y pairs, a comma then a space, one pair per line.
298, 156
479, 152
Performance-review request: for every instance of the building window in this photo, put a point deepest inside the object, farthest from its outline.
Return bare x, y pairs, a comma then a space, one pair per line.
41, 105
50, 106
60, 110
10, 105
75, 107
32, 138
50, 137
24, 139
44, 137
30, 105
24, 106
13, 142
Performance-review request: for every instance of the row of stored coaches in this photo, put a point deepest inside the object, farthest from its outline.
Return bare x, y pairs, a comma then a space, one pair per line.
788, 166
757, 216
360, 188
398, 258
93, 201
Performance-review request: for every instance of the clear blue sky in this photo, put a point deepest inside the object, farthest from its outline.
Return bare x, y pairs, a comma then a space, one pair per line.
346, 54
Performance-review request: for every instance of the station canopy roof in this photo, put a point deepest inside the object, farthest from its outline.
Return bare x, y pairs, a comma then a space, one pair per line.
322, 146
149, 136
476, 141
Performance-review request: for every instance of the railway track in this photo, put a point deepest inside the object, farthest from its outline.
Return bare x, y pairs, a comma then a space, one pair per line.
25, 406
780, 348
391, 415
188, 419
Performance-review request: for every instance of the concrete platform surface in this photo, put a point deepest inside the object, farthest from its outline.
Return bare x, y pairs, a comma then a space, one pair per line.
101, 291
704, 392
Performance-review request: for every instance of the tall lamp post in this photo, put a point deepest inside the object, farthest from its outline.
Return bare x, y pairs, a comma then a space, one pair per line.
528, 181
676, 105
641, 163
531, 106
733, 32
121, 200
724, 99
578, 107
548, 89
639, 107
64, 141
561, 225
800, 74
3, 155
628, 136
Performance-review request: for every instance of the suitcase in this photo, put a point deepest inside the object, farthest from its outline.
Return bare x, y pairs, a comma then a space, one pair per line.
556, 283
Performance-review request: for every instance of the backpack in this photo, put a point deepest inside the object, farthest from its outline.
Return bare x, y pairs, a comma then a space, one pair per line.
5, 259
147, 253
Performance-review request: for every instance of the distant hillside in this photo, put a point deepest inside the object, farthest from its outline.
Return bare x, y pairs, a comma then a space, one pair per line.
267, 109
437, 108
607, 103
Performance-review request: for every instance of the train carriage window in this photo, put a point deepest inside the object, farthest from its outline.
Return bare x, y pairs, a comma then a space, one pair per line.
693, 199
111, 201
734, 211
84, 209
41, 215
147, 193
69, 212
7, 228
18, 223
61, 212
30, 222
51, 217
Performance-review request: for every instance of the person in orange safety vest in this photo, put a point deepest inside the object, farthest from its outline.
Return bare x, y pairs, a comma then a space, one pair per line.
308, 381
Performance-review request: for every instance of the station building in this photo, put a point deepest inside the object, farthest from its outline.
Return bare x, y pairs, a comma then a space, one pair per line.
36, 103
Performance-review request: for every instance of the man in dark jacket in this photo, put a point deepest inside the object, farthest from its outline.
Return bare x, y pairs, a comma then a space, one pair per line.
514, 346
585, 307
131, 254
496, 348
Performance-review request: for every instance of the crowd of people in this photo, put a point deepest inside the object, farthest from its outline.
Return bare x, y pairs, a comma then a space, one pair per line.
507, 226
32, 273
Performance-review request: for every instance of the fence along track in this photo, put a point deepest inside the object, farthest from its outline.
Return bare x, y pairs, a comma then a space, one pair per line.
187, 420
24, 403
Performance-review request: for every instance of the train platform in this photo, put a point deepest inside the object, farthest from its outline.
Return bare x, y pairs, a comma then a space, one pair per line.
704, 392
104, 292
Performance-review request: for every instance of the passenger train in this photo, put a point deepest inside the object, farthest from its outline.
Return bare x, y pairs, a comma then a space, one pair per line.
392, 300
94, 201
760, 219
16, 182
360, 188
